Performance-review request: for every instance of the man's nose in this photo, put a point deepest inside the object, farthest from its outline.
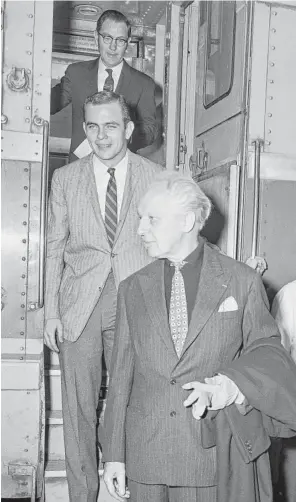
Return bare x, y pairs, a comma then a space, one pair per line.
101, 133
113, 44
142, 228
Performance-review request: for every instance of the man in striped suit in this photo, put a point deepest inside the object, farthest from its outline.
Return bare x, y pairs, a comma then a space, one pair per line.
92, 245
192, 314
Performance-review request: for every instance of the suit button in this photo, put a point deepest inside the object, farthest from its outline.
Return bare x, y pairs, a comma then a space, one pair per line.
173, 414
173, 381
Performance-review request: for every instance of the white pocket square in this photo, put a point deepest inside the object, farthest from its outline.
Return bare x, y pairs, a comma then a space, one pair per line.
228, 305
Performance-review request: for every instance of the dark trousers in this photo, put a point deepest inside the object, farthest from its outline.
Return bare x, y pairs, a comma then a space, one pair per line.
162, 493
81, 374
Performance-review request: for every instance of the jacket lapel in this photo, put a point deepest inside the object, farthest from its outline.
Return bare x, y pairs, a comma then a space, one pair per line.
92, 80
132, 177
124, 79
213, 282
92, 193
154, 297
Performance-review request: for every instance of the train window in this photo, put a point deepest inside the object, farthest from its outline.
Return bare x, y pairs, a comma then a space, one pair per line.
219, 59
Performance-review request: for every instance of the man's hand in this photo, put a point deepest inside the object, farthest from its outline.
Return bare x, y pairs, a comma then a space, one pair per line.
53, 328
114, 477
215, 394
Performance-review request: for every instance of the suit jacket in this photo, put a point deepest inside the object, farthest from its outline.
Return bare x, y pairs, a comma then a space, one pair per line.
80, 81
79, 257
146, 424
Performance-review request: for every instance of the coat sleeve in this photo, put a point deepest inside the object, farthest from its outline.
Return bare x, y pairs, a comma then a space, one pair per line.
57, 236
112, 431
146, 128
61, 94
264, 373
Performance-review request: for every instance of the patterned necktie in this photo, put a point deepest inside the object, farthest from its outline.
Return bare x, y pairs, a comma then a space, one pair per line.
111, 207
178, 309
109, 82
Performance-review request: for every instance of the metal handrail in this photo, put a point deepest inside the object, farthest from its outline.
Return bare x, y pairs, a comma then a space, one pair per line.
43, 215
257, 159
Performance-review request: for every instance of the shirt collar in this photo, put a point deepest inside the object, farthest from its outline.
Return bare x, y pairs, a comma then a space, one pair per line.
195, 256
98, 164
116, 70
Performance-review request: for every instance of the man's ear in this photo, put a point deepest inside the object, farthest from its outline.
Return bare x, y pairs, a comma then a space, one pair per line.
84, 127
96, 37
190, 220
129, 129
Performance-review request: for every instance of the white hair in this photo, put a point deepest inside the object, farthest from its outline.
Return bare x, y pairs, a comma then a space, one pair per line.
185, 191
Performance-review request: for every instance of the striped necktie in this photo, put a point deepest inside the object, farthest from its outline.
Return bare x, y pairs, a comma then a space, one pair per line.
111, 207
109, 82
178, 317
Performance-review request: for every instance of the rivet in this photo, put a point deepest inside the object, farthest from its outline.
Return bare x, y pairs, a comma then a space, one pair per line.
268, 142
271, 81
22, 348
269, 131
22, 306
24, 241
23, 276
24, 258
274, 13
269, 114
29, 52
25, 205
22, 333
22, 318
28, 108
30, 34
270, 97
23, 293
27, 120
24, 223
26, 449
273, 30
21, 358
25, 187
271, 63
30, 15
272, 47
26, 169
28, 71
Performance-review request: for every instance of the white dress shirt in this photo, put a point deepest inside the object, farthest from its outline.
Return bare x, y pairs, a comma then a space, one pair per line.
102, 177
102, 74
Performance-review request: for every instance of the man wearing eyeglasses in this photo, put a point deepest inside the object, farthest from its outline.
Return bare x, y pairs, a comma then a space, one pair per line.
112, 73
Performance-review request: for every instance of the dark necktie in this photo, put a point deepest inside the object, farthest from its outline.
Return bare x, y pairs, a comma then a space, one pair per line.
111, 207
178, 309
109, 82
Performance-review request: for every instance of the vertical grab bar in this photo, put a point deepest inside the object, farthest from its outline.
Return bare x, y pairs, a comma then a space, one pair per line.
43, 217
256, 197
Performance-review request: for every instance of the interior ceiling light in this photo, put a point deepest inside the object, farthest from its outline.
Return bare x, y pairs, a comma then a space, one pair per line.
88, 10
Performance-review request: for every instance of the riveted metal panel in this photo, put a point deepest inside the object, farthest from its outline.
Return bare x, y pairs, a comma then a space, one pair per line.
18, 53
21, 146
280, 86
15, 219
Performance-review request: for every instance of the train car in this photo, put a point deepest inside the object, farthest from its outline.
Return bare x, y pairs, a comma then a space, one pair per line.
225, 74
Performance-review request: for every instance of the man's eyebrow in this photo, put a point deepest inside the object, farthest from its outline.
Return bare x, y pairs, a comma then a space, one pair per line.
92, 123
112, 122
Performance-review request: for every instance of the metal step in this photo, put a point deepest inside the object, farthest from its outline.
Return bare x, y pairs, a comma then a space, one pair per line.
56, 488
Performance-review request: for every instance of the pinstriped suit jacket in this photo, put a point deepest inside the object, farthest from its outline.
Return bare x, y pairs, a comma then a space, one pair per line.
79, 257
145, 423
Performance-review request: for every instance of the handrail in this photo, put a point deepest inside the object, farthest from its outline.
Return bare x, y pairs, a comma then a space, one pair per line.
256, 197
43, 215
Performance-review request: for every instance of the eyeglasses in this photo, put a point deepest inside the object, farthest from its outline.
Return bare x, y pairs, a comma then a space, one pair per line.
107, 39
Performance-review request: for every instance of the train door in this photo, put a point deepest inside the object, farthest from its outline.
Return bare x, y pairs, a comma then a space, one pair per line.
25, 114
214, 110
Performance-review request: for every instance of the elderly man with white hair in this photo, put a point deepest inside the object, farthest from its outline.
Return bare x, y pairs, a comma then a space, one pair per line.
199, 379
